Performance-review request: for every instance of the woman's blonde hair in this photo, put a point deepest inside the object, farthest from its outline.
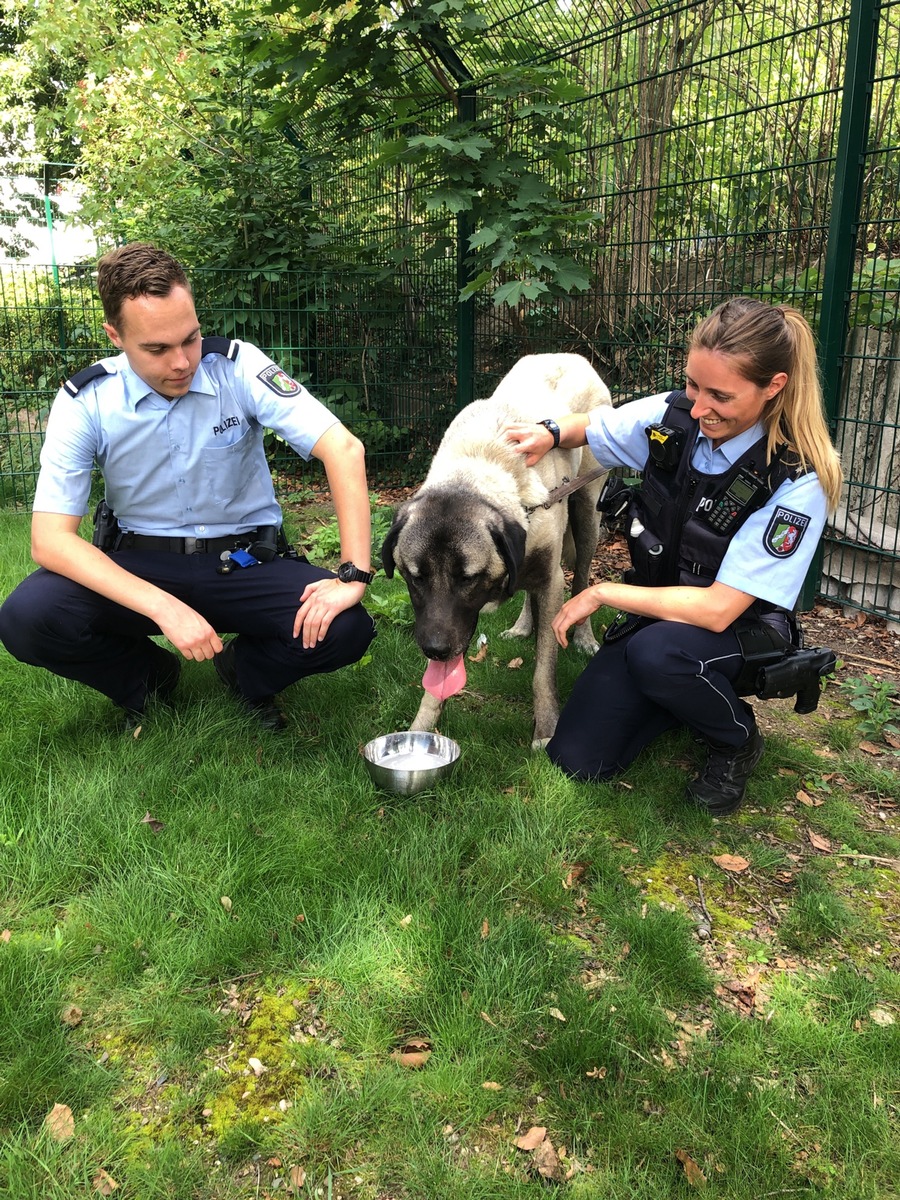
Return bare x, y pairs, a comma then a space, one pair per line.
764, 339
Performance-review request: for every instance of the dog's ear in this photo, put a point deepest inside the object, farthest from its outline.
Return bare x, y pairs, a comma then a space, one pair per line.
387, 549
509, 538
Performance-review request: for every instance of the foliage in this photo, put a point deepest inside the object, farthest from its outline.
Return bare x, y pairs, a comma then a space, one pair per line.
877, 700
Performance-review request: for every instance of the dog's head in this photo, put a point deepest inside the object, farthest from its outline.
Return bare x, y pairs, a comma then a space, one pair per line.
459, 555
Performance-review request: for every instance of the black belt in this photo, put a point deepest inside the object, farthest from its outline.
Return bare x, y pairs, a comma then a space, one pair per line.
185, 545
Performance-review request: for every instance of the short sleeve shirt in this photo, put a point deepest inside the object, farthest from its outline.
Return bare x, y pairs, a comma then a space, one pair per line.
771, 553
194, 466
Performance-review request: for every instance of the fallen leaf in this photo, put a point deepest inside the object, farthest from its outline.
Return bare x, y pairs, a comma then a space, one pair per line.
59, 1122
891, 740
5, 935
485, 1017
136, 732
485, 929
71, 1015
809, 801
411, 1058
882, 1017
225, 901
490, 1086
554, 1012
817, 841
533, 1138
481, 654
596, 1073
574, 873
547, 1160
515, 663
297, 1177
156, 826
103, 1183
731, 862
695, 1176
255, 1066
404, 921
870, 748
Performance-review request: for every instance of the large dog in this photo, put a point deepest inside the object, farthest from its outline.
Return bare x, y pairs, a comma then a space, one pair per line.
477, 530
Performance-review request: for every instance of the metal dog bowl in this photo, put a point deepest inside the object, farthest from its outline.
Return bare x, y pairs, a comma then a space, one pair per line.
408, 762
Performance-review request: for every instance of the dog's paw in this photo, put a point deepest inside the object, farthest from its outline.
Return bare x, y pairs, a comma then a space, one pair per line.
515, 632
584, 641
539, 743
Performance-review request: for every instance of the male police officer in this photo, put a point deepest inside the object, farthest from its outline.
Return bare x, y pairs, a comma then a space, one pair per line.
175, 423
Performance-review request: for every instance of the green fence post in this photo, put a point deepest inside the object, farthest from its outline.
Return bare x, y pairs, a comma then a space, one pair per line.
846, 201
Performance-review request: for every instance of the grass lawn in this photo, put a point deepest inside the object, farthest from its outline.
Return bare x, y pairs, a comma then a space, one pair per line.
229, 967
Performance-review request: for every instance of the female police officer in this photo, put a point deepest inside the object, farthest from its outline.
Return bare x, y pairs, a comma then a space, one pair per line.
738, 477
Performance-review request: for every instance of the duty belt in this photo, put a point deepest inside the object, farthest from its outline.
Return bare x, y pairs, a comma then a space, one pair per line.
185, 545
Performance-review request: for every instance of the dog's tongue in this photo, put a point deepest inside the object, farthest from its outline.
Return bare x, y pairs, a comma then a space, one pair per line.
443, 679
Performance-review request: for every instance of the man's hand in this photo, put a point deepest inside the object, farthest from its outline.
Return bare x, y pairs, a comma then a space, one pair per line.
187, 630
320, 603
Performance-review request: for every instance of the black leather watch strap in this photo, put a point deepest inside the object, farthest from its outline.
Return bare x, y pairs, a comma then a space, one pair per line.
550, 425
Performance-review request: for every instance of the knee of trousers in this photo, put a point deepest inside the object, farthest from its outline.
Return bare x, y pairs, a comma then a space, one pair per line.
574, 758
29, 620
349, 636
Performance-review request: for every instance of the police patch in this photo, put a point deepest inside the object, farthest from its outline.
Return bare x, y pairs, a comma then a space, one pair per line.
784, 532
279, 381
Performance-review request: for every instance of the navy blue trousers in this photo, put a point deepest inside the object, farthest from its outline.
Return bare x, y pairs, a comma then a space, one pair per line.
51, 622
663, 676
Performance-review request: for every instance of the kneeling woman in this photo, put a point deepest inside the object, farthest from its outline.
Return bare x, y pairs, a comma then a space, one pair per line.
739, 475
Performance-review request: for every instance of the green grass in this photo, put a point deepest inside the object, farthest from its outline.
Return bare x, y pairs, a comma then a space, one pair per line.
532, 933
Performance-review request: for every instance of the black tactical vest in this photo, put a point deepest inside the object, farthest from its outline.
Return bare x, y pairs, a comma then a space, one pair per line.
681, 521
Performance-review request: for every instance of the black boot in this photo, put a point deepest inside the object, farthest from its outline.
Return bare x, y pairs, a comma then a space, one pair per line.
266, 711
720, 786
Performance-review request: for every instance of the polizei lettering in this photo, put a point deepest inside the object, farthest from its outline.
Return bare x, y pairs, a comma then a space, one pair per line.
228, 423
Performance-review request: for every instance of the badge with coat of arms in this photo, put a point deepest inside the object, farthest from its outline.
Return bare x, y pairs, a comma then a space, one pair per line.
784, 532
279, 381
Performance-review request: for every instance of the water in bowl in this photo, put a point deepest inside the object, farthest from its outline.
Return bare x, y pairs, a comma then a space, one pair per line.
413, 760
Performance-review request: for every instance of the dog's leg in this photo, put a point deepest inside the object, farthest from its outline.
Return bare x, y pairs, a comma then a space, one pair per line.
429, 713
585, 525
524, 626
546, 603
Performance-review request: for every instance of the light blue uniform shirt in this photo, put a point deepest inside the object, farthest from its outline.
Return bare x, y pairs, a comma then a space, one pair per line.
770, 555
190, 467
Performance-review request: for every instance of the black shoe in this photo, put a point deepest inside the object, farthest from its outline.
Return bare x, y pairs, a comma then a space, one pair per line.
266, 711
161, 683
720, 786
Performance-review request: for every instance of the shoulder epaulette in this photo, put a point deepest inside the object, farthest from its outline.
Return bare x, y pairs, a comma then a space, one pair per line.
74, 385
681, 400
219, 345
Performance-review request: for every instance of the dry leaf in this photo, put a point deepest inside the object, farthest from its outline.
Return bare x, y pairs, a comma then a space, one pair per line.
533, 1138
485, 1017
485, 929
575, 872
891, 740
817, 841
481, 654
554, 1012
136, 732
71, 1015
731, 862
297, 1177
882, 1017
225, 901
547, 1161
490, 1086
5, 935
694, 1175
597, 1073
404, 921
870, 748
515, 663
809, 801
411, 1058
103, 1183
59, 1122
156, 826
255, 1066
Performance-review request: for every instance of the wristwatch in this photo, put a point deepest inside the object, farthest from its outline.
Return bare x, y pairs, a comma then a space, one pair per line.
349, 573
553, 428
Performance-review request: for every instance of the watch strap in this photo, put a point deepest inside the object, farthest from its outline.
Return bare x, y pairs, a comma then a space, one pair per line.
551, 426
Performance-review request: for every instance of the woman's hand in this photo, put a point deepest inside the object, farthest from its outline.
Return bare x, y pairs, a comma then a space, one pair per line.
532, 441
576, 611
